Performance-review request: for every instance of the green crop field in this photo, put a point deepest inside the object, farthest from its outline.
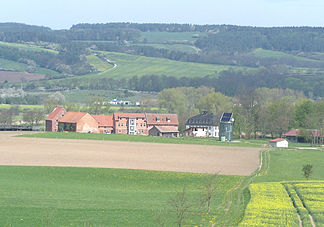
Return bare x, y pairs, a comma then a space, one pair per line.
149, 139
167, 37
54, 196
133, 65
21, 67
98, 63
22, 107
174, 47
282, 194
28, 47
286, 165
12, 65
262, 53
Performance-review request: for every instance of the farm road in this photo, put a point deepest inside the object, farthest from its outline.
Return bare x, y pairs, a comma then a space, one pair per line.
21, 151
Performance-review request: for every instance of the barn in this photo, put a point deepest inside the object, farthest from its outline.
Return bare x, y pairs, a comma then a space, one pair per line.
78, 122
51, 122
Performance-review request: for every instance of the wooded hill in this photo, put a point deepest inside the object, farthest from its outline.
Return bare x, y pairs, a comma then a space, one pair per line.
285, 57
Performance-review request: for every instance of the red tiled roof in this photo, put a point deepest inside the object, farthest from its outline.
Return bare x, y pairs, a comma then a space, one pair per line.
152, 119
104, 120
277, 140
53, 114
293, 132
72, 117
128, 115
167, 128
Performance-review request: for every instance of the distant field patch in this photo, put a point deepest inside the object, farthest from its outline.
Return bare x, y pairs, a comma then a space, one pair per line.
22, 107
19, 76
164, 37
28, 47
174, 47
98, 63
133, 65
262, 53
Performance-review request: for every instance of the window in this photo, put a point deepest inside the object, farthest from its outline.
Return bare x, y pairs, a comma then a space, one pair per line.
141, 125
118, 124
168, 119
122, 124
157, 119
119, 130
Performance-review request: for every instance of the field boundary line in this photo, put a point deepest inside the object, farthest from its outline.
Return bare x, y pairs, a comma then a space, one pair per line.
301, 224
242, 185
309, 212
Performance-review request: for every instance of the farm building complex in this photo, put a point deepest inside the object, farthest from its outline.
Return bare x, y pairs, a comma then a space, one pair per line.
120, 123
165, 125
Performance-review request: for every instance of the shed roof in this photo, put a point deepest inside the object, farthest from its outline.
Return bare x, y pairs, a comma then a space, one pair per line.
167, 129
277, 140
72, 117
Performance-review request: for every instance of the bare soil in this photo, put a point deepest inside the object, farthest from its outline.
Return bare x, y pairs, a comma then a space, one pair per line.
19, 76
21, 151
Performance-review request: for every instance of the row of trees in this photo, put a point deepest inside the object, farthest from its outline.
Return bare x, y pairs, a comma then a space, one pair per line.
15, 115
257, 113
228, 82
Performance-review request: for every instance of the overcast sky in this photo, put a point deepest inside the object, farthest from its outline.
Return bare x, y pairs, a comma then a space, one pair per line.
59, 14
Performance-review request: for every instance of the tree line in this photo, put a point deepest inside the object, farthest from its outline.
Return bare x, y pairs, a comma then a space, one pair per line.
257, 112
228, 82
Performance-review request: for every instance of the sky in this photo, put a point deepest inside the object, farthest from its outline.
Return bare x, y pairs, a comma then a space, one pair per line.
62, 14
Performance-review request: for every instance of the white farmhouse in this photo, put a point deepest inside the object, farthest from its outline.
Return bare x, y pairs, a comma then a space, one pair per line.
203, 125
279, 142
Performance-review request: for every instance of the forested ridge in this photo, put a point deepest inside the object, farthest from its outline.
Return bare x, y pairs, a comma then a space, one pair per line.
283, 57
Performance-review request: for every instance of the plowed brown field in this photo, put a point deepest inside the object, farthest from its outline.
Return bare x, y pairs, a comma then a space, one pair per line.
127, 155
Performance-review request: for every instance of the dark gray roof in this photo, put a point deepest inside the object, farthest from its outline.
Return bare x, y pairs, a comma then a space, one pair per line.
204, 119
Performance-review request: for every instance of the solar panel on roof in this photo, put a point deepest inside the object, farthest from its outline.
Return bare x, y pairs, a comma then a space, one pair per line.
226, 117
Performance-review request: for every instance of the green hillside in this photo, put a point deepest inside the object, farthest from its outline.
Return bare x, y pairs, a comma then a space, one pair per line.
133, 65
28, 47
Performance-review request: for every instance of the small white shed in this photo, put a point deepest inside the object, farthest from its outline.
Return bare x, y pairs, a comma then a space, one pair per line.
279, 142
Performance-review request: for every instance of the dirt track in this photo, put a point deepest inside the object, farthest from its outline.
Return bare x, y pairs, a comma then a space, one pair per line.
127, 155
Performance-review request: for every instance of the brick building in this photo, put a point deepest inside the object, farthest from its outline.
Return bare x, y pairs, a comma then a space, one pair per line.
51, 122
130, 123
105, 123
78, 122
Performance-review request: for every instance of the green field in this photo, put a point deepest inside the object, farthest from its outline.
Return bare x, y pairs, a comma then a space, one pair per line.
22, 107
262, 53
21, 67
133, 65
98, 63
167, 37
149, 139
28, 47
286, 165
173, 47
54, 196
